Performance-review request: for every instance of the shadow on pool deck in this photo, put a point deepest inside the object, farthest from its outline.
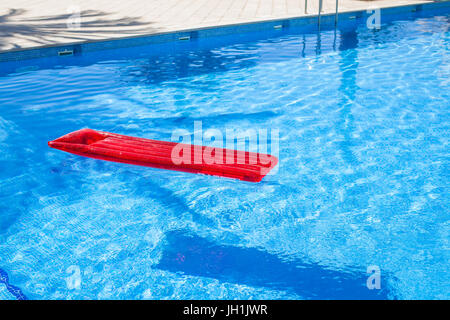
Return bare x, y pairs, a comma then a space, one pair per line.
50, 30
196, 256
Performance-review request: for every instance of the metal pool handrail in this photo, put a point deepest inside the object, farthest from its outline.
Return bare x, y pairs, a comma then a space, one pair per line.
336, 17
320, 11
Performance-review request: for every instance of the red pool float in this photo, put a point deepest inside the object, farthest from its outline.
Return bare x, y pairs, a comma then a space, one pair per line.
247, 166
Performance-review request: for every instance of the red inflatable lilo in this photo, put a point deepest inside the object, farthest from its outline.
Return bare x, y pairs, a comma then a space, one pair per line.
247, 166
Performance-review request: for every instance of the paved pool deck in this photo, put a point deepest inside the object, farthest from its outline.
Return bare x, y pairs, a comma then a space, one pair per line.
26, 24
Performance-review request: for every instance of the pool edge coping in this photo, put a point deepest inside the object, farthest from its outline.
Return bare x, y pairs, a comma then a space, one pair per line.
49, 50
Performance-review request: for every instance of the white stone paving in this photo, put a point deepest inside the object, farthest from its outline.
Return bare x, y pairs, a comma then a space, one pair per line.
35, 23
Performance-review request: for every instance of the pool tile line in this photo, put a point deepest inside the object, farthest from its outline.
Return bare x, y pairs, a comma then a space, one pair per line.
15, 291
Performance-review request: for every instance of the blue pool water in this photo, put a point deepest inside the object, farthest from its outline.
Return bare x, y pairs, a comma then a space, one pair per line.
363, 119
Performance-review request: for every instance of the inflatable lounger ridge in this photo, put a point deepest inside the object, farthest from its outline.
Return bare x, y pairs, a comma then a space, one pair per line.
243, 165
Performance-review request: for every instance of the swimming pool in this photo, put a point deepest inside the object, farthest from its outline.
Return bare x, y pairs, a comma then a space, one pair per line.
363, 120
